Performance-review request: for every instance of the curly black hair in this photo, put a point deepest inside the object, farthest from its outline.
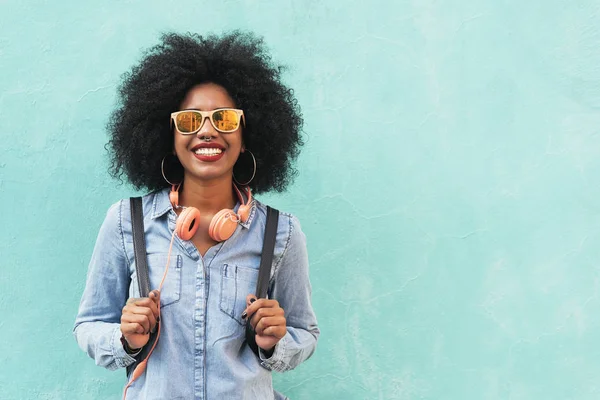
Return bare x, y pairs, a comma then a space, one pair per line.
139, 127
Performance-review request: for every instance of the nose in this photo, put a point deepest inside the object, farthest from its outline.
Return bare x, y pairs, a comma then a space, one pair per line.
207, 129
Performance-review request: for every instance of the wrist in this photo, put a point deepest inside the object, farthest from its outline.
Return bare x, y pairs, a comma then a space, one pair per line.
268, 352
128, 348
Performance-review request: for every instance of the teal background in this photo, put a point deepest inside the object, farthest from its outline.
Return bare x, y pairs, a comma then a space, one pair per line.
448, 188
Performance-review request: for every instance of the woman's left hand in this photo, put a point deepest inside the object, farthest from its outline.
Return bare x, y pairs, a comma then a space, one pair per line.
268, 320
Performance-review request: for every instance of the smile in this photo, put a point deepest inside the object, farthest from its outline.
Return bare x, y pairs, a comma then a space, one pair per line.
208, 151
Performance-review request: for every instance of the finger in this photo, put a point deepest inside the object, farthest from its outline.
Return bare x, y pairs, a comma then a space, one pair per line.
264, 313
150, 302
132, 300
276, 331
155, 296
250, 299
130, 328
139, 319
147, 311
267, 322
141, 300
260, 303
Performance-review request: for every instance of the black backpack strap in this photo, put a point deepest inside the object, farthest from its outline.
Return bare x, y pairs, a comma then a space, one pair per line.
264, 273
141, 267
139, 245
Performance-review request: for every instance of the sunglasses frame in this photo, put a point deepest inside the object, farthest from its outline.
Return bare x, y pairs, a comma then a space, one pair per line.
209, 115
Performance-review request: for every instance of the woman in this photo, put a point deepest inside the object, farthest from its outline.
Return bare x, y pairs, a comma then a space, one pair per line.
203, 123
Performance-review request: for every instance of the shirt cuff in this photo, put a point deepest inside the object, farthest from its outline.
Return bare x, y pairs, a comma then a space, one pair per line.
122, 359
276, 361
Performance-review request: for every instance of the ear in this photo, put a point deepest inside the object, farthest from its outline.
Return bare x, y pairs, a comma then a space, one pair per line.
243, 149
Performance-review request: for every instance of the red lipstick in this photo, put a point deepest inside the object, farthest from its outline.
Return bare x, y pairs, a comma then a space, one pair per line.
208, 152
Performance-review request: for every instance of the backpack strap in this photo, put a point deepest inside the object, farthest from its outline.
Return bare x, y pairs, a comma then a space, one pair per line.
139, 245
264, 273
141, 267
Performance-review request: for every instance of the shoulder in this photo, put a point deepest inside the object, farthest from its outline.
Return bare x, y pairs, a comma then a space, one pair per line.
119, 213
153, 204
290, 237
287, 223
113, 217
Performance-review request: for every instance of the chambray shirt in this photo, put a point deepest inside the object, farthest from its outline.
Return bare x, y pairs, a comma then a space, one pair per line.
202, 353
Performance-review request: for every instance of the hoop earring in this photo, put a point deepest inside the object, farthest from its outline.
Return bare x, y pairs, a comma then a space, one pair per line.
162, 170
253, 171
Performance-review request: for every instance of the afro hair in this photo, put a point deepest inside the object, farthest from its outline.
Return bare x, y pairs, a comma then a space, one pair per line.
140, 130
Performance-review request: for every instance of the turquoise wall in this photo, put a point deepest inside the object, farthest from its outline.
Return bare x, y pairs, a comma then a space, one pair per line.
448, 188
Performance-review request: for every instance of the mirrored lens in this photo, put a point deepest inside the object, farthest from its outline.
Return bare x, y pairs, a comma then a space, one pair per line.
188, 121
226, 120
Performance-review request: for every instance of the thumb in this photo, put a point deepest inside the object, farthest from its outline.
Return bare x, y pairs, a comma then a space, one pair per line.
155, 296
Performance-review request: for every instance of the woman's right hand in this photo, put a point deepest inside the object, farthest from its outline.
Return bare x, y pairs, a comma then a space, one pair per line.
139, 319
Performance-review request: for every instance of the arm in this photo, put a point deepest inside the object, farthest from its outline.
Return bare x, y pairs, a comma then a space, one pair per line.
292, 289
97, 326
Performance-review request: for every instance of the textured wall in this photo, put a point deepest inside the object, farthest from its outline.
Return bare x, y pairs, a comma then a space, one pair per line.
448, 188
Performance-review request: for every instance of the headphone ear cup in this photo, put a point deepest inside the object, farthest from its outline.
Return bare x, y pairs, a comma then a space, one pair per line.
187, 223
223, 225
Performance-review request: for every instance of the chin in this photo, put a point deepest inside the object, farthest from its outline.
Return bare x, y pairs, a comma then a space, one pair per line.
205, 175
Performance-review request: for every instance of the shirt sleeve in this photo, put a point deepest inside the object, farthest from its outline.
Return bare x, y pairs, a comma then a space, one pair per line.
292, 289
97, 325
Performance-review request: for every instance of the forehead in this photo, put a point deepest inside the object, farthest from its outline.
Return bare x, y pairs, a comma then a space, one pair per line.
206, 97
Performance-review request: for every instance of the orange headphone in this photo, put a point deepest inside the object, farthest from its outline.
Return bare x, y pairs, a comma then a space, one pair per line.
223, 223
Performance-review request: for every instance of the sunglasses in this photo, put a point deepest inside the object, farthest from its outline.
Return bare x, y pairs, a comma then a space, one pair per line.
224, 120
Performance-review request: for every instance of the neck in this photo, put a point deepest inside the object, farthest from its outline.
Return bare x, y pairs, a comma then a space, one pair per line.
208, 197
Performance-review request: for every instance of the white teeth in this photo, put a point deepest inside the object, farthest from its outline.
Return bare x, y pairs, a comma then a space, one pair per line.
208, 151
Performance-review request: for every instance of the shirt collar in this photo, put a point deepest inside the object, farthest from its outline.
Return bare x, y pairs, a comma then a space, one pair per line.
161, 204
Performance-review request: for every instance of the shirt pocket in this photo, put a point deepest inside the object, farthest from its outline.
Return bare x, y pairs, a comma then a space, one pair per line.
171, 290
236, 283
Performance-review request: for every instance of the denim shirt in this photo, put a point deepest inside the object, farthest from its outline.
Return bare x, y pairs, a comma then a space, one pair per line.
202, 352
